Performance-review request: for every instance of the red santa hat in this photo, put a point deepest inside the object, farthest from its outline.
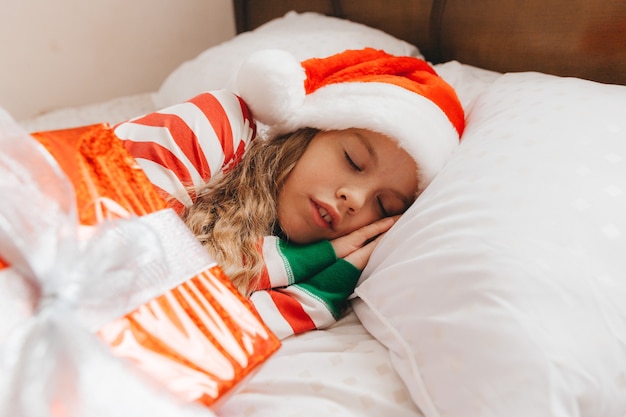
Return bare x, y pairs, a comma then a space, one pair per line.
401, 97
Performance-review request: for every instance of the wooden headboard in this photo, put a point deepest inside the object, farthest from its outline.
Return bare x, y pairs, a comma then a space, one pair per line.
580, 38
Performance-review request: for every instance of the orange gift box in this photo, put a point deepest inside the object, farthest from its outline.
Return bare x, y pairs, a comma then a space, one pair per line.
200, 338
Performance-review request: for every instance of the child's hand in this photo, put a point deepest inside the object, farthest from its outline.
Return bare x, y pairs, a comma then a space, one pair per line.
356, 247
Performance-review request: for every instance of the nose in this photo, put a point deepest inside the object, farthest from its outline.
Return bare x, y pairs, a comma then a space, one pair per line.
352, 198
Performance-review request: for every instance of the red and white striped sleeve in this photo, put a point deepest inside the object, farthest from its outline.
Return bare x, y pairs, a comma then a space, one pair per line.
301, 287
313, 304
185, 144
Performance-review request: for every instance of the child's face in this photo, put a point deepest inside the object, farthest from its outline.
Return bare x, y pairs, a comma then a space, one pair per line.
345, 180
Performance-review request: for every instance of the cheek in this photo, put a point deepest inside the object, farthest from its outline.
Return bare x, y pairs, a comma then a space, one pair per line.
286, 212
284, 219
282, 204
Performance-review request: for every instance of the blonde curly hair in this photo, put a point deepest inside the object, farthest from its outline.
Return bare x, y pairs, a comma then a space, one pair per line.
235, 209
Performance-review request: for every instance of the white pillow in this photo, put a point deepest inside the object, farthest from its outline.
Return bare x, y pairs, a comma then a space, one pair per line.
502, 292
305, 35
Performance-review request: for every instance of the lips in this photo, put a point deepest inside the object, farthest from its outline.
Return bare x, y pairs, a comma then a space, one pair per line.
323, 215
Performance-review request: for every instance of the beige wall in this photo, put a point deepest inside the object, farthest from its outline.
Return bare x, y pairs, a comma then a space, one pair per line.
60, 53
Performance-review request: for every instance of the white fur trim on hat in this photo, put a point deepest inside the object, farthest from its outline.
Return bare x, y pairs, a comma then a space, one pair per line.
271, 82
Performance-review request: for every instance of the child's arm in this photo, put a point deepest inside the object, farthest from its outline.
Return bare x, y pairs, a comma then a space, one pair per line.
313, 304
287, 264
185, 144
315, 299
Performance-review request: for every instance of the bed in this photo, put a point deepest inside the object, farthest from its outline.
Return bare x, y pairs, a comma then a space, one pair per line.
501, 291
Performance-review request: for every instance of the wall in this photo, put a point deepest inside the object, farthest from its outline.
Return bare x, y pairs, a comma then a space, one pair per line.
60, 53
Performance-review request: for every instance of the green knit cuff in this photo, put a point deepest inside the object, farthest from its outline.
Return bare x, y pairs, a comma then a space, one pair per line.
333, 285
304, 261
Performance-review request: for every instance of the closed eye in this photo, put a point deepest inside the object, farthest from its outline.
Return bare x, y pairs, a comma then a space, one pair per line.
382, 207
351, 162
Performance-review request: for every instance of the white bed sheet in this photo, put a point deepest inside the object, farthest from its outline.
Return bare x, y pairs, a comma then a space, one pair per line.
341, 372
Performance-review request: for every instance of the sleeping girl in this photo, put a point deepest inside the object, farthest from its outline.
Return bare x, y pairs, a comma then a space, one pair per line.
292, 214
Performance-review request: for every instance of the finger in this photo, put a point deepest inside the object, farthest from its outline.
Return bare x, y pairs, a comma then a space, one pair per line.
360, 237
360, 257
374, 229
366, 233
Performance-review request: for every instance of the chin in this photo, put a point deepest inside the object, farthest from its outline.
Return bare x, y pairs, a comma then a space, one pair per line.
299, 240
294, 237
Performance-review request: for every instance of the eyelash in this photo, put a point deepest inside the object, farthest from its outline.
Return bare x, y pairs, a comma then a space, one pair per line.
351, 162
382, 207
359, 169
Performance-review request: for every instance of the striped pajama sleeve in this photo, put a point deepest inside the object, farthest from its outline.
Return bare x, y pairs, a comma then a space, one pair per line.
302, 287
184, 144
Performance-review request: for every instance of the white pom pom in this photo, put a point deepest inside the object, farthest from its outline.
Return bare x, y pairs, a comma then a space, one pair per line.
271, 82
